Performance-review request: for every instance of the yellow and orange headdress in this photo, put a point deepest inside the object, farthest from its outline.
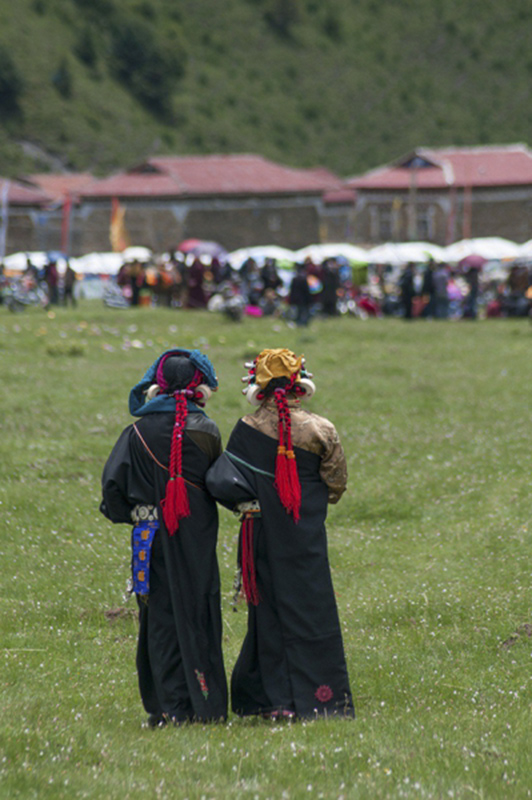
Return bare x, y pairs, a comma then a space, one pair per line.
289, 376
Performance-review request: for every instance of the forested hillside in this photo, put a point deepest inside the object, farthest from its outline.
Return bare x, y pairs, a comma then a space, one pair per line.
348, 84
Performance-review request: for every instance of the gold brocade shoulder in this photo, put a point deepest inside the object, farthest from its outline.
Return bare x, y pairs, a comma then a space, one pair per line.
309, 431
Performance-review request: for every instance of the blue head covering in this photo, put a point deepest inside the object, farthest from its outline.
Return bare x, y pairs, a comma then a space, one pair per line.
163, 402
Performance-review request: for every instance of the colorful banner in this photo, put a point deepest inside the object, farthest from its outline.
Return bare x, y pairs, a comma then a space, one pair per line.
118, 232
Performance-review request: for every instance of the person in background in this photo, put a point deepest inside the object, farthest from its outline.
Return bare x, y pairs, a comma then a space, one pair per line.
69, 283
300, 297
471, 299
406, 286
51, 279
427, 290
441, 296
196, 297
270, 277
331, 285
137, 281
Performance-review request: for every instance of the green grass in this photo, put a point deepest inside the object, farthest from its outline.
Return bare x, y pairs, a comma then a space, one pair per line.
430, 551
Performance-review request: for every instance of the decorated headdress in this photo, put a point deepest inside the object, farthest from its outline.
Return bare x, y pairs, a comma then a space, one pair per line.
280, 372
176, 380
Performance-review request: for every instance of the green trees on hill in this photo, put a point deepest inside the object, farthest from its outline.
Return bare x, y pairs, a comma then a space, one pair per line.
148, 66
11, 84
347, 84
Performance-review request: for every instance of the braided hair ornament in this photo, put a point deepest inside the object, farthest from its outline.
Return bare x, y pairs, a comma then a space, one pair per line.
280, 372
193, 387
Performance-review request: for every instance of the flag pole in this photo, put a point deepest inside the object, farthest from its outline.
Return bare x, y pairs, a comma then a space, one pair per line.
4, 204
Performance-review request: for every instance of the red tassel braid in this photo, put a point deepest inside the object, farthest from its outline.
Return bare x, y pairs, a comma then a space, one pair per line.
249, 577
175, 505
286, 476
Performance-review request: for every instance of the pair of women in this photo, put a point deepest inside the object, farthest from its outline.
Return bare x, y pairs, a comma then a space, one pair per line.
281, 467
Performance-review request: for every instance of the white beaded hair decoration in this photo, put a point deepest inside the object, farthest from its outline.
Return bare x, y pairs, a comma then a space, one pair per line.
304, 386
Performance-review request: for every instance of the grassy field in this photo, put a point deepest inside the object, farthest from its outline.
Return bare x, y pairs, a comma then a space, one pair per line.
430, 550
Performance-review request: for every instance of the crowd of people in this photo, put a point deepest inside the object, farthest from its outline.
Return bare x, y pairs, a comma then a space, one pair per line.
253, 289
440, 291
43, 287
299, 293
331, 287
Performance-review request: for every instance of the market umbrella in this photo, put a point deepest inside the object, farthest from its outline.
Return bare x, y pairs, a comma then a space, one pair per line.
201, 247
473, 261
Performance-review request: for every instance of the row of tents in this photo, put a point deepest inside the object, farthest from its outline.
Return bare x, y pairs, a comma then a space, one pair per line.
394, 254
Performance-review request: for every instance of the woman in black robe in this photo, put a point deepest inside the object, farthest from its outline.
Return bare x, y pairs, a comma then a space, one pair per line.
292, 661
155, 479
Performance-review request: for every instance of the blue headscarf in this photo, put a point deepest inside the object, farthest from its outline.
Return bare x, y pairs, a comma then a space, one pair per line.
163, 402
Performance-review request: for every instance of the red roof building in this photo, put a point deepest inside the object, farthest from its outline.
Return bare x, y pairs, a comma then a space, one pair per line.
60, 185
22, 208
20, 195
236, 200
212, 176
445, 194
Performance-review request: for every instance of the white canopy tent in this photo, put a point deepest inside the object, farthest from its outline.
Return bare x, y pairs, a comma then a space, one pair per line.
489, 247
98, 263
259, 254
319, 252
136, 254
398, 253
525, 250
19, 261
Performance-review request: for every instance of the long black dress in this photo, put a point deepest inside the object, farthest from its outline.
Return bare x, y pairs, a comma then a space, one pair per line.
292, 657
179, 657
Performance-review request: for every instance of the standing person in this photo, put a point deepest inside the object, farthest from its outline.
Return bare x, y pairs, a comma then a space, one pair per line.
155, 479
281, 467
427, 290
51, 278
441, 295
196, 292
270, 277
406, 285
69, 282
137, 281
300, 296
331, 285
470, 303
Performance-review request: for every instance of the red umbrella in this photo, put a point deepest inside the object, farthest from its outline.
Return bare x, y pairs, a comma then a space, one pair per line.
472, 262
200, 247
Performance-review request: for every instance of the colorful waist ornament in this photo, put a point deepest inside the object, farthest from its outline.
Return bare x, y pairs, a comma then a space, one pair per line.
141, 540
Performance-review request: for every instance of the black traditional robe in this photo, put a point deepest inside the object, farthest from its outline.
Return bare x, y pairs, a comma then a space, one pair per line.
179, 656
292, 657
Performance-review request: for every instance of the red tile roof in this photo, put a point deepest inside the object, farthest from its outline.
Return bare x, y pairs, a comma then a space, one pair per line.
58, 185
336, 197
20, 195
187, 176
508, 165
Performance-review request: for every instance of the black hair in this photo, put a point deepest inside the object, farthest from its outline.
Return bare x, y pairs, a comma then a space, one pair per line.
178, 372
275, 383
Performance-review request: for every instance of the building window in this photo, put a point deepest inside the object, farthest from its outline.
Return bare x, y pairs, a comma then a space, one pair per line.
380, 223
274, 222
426, 227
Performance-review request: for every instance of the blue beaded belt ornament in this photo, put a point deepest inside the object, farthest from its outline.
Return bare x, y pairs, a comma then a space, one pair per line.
141, 540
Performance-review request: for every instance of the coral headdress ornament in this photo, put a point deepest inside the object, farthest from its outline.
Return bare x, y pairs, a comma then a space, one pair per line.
188, 377
280, 372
